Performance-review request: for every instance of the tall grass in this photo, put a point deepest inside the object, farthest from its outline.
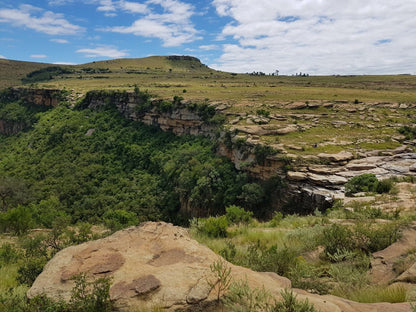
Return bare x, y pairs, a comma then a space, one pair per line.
373, 294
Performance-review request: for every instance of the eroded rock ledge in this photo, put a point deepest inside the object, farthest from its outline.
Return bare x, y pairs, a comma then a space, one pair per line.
158, 264
312, 184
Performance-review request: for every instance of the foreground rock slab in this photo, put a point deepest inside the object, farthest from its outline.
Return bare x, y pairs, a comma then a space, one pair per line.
159, 265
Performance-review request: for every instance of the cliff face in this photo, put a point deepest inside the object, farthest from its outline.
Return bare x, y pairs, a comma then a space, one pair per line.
32, 101
40, 97
11, 127
258, 161
176, 118
309, 185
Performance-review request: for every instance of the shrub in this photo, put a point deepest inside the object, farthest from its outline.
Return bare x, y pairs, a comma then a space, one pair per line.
242, 298
263, 259
118, 219
261, 152
229, 251
8, 254
213, 226
337, 237
275, 221
377, 237
30, 270
222, 277
17, 220
263, 112
252, 195
90, 296
384, 186
290, 303
367, 182
408, 132
236, 215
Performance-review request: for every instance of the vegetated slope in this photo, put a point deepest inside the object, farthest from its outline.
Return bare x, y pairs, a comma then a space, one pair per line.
11, 72
86, 164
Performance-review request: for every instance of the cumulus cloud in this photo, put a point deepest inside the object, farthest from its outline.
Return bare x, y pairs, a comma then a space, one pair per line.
38, 56
173, 26
318, 36
103, 51
31, 17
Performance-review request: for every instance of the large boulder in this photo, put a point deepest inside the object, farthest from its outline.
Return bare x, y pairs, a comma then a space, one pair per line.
159, 265
155, 264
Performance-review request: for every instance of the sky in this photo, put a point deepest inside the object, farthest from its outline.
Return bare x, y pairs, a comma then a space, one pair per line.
317, 37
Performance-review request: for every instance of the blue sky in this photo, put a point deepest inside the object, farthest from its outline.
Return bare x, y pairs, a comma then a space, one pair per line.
318, 37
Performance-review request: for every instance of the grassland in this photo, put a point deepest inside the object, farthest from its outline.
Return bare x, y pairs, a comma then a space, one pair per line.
334, 113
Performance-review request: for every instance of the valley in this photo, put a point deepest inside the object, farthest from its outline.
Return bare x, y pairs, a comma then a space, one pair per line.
320, 171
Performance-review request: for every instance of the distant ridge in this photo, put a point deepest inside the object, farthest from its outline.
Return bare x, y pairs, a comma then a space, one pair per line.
12, 71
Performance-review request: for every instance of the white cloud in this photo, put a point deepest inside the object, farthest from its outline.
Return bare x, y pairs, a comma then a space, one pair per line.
60, 41
173, 26
103, 51
59, 2
64, 63
106, 6
31, 17
209, 47
134, 7
38, 56
318, 36
2, 57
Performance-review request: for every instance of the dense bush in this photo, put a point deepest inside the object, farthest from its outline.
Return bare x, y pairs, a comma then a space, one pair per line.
408, 132
336, 237
17, 220
118, 219
237, 215
367, 182
122, 165
45, 74
213, 226
272, 259
340, 240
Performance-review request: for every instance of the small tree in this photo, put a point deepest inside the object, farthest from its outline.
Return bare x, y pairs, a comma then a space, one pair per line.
223, 277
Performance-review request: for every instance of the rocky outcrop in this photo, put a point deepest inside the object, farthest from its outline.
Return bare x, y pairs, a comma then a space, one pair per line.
11, 127
177, 118
159, 265
316, 180
34, 100
155, 264
34, 96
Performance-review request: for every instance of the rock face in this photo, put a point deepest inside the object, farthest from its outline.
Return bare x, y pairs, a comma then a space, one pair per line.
42, 97
155, 264
158, 264
179, 120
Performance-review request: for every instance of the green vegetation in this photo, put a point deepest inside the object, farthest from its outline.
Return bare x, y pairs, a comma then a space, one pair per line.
322, 256
18, 112
122, 165
73, 168
45, 74
367, 182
